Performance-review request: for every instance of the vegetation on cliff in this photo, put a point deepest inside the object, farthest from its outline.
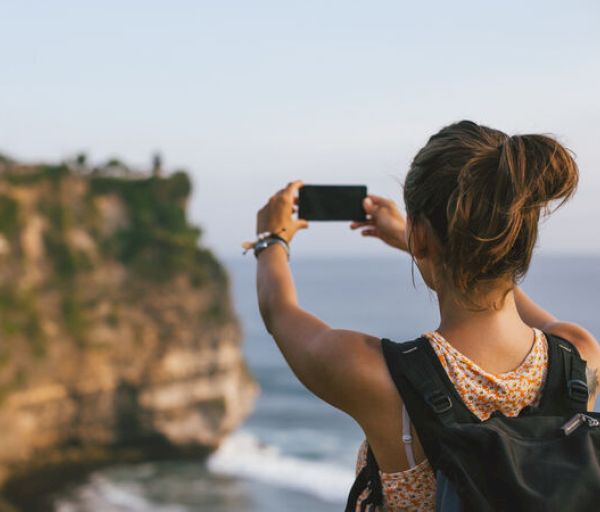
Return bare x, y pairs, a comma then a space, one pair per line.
153, 239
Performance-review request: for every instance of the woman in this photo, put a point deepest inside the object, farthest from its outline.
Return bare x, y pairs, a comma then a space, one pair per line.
473, 199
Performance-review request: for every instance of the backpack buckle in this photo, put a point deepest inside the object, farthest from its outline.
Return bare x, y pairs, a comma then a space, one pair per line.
439, 401
578, 390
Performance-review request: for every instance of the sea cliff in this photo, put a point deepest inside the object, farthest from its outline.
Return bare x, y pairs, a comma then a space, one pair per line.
118, 338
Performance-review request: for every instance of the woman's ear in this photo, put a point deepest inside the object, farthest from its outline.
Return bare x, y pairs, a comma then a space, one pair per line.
418, 236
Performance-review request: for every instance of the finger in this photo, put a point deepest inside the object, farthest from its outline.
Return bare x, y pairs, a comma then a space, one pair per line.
369, 205
292, 187
359, 224
380, 201
370, 232
301, 224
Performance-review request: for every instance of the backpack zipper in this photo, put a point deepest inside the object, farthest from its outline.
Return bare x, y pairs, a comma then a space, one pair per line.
576, 421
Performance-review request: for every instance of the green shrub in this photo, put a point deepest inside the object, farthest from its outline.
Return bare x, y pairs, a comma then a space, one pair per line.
33, 333
62, 256
74, 317
53, 173
9, 214
158, 242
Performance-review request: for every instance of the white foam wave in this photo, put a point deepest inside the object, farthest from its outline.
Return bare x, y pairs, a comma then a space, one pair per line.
242, 454
103, 495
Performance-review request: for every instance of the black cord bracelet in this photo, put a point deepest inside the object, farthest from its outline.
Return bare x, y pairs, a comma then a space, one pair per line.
271, 240
263, 241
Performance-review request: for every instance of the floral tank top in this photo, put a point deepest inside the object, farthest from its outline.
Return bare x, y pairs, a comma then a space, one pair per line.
483, 393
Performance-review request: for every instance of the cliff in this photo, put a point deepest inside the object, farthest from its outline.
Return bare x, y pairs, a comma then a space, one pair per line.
118, 339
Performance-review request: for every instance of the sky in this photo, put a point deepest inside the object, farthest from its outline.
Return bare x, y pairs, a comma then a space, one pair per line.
249, 95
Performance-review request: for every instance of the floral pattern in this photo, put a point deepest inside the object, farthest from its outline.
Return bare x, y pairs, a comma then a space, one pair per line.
414, 490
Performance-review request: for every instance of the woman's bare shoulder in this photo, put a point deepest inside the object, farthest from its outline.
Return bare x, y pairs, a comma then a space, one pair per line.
352, 373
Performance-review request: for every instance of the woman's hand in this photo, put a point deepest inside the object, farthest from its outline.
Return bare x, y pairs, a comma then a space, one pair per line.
276, 215
384, 221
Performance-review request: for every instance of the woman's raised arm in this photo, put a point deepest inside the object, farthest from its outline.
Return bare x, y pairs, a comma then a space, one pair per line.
344, 368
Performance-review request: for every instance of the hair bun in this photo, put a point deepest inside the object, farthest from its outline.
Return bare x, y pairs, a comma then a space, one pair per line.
541, 168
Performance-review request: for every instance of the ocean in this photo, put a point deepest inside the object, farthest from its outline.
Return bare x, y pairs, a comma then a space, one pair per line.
296, 453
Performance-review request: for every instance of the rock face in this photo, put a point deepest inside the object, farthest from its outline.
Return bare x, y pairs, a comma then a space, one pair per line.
118, 339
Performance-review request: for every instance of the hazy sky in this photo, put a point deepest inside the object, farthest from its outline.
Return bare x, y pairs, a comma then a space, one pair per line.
248, 95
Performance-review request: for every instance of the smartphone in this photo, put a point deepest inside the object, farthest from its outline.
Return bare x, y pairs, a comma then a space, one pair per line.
331, 202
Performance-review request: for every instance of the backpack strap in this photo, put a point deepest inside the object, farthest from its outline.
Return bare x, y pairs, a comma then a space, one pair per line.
430, 397
566, 390
368, 478
576, 385
431, 400
361, 482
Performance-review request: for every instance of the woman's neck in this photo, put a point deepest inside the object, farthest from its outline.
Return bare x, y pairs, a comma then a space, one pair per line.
464, 328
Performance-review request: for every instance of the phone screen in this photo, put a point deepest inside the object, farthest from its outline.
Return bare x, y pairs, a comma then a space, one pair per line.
331, 202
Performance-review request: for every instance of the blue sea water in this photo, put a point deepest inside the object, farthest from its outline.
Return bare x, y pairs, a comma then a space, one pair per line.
296, 453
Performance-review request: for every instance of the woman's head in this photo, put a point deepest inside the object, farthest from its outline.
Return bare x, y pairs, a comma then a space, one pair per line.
480, 193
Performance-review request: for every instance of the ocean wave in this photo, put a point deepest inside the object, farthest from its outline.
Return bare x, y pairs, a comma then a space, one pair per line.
244, 455
101, 494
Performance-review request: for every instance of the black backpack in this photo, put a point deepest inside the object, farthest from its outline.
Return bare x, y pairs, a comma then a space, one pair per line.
545, 459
